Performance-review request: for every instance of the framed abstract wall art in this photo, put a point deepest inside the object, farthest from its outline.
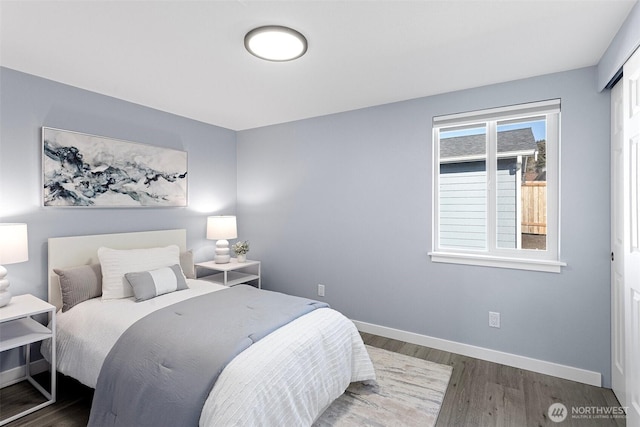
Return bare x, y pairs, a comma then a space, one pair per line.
95, 171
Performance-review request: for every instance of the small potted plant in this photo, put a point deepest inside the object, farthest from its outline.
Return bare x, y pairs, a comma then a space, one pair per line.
240, 249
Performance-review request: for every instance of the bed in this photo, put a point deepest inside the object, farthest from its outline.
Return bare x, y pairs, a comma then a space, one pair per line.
289, 377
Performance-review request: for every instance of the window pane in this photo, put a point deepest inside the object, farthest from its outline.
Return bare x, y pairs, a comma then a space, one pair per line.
463, 188
521, 184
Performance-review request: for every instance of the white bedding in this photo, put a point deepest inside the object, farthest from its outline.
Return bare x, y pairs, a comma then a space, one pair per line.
287, 378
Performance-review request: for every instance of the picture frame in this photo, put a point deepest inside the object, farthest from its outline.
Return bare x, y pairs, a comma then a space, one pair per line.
82, 170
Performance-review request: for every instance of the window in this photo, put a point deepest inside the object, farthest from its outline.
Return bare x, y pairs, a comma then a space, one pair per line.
496, 185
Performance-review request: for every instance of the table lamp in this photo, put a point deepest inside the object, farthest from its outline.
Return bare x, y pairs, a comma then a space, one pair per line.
14, 248
221, 228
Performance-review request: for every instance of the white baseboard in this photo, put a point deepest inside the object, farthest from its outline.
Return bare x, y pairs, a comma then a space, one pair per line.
11, 376
514, 360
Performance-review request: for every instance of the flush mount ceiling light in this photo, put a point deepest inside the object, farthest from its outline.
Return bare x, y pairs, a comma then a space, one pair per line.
275, 43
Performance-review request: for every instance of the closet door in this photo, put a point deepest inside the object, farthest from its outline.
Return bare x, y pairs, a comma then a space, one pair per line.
631, 149
618, 236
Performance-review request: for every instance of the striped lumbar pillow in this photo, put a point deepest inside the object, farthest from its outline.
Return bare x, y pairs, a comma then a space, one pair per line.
150, 284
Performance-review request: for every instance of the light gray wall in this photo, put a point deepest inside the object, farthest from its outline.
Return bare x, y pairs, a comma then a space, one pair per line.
345, 200
27, 103
626, 41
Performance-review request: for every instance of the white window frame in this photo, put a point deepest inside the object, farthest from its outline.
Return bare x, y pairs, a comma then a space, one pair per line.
525, 259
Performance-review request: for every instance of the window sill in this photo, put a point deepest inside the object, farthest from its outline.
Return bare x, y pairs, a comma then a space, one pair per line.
499, 262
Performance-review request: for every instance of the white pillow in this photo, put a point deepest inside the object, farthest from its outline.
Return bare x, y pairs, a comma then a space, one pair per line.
115, 263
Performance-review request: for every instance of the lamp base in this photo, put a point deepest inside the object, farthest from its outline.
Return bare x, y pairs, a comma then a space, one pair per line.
221, 259
5, 298
5, 295
222, 252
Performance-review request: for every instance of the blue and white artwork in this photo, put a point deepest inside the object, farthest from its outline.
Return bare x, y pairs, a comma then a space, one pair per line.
87, 170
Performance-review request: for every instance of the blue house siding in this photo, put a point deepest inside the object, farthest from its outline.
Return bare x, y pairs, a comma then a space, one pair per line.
507, 209
463, 209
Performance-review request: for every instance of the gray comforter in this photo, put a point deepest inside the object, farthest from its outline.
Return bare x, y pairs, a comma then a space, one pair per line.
163, 367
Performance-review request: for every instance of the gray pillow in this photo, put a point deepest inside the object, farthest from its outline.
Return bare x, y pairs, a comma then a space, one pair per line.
150, 284
78, 284
186, 263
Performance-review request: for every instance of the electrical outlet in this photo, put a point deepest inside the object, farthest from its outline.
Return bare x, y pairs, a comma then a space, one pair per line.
321, 290
494, 319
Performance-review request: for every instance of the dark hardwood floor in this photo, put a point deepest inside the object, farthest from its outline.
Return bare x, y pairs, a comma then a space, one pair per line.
487, 394
479, 394
70, 410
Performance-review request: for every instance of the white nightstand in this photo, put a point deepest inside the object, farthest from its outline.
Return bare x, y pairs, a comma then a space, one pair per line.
232, 273
19, 329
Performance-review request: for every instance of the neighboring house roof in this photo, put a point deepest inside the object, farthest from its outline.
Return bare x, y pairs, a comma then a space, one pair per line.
510, 144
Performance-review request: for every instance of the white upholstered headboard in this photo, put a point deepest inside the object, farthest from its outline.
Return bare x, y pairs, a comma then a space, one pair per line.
83, 250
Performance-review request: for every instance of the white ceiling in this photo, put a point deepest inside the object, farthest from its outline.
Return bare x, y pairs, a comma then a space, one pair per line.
188, 57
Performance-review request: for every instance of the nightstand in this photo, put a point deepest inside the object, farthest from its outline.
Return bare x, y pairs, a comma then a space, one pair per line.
19, 329
232, 273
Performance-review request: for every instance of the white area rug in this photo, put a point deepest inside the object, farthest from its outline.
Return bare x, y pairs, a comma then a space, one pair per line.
407, 392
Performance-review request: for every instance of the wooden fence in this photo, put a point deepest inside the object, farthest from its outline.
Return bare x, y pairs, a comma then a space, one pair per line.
534, 207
